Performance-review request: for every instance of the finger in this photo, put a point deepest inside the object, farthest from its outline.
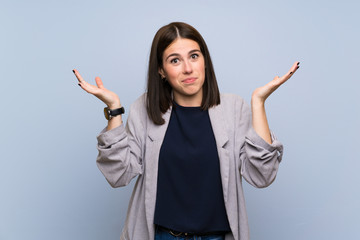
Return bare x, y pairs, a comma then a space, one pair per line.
89, 88
291, 72
78, 76
294, 68
99, 82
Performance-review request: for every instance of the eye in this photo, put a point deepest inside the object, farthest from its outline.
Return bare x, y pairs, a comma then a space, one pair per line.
194, 56
174, 60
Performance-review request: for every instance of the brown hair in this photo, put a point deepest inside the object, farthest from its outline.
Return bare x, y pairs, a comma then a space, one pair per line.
159, 98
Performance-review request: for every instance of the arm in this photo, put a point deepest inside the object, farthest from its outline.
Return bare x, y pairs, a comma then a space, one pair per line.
261, 152
120, 151
259, 96
259, 160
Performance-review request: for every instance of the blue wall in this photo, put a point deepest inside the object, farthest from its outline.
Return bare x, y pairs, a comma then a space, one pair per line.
50, 186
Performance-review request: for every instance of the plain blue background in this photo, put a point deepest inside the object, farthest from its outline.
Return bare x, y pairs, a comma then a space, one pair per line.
50, 185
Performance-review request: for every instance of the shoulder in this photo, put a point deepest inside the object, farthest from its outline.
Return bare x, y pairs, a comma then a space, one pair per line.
139, 103
229, 99
137, 110
233, 106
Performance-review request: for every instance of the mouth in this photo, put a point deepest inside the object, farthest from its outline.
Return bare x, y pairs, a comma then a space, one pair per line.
189, 80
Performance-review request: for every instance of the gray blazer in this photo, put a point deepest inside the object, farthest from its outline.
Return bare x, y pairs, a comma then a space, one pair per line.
127, 152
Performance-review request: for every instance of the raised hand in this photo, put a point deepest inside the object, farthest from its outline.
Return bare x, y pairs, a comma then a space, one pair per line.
108, 97
262, 93
259, 120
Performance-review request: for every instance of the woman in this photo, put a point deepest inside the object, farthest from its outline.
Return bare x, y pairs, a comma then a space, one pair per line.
189, 145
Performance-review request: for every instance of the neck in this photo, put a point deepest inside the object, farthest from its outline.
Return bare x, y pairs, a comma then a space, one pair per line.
188, 101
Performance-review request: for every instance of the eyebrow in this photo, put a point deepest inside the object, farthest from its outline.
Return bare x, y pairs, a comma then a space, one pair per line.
176, 54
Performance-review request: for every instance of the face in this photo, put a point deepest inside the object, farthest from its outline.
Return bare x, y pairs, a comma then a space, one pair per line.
184, 69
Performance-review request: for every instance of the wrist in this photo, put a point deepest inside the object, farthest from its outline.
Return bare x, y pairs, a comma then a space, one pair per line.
256, 102
114, 103
113, 106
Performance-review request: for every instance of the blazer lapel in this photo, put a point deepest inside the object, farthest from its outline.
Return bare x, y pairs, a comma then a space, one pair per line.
157, 132
218, 124
155, 137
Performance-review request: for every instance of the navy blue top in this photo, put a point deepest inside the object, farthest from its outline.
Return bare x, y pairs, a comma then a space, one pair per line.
189, 192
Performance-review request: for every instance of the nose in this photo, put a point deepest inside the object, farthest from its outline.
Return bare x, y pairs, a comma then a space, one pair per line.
187, 67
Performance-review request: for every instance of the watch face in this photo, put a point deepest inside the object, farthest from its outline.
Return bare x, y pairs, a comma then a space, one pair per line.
106, 113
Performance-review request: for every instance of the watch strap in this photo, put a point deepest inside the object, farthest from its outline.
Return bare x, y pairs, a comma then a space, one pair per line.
117, 111
110, 113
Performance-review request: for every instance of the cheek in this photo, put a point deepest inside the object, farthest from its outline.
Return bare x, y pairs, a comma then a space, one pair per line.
201, 66
201, 69
172, 73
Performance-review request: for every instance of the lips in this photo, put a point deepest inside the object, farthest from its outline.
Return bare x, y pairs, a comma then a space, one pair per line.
189, 80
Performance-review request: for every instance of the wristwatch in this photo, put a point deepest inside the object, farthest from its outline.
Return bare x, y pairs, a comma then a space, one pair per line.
110, 113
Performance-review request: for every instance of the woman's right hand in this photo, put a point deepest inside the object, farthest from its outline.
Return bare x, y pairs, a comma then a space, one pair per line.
108, 97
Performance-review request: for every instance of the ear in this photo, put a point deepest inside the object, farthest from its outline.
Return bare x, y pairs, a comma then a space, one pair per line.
162, 73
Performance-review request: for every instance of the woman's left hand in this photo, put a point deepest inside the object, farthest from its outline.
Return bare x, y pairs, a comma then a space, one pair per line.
262, 93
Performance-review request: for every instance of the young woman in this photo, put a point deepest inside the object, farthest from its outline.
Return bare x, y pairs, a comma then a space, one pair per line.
188, 145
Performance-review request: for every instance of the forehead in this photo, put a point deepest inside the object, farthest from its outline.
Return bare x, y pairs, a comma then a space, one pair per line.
181, 46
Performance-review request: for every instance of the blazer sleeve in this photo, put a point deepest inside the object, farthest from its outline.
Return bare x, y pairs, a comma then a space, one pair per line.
120, 151
259, 159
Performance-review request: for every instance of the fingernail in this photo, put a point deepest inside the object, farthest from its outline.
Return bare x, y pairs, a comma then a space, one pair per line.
290, 72
297, 67
298, 63
79, 84
74, 71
